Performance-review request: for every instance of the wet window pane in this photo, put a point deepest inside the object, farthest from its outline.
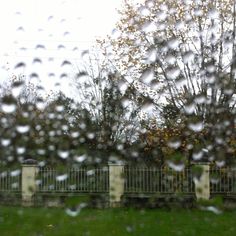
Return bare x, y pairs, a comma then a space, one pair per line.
108, 109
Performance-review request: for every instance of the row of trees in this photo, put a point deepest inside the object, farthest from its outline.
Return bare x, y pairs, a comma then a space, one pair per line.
102, 125
170, 98
185, 52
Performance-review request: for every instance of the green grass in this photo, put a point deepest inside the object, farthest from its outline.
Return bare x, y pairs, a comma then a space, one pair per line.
51, 221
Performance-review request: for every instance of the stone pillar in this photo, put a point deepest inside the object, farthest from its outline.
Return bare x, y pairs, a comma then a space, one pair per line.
28, 181
116, 184
202, 184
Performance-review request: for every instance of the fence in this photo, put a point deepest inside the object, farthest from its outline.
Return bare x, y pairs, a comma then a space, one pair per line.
223, 181
10, 181
156, 180
117, 181
73, 180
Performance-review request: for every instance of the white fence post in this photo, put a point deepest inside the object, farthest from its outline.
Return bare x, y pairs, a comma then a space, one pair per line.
202, 184
116, 184
28, 181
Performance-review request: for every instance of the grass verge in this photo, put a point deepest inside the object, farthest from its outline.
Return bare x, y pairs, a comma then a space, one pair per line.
52, 221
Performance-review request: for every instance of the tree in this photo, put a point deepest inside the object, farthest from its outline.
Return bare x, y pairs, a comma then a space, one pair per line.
30, 131
185, 50
110, 116
101, 123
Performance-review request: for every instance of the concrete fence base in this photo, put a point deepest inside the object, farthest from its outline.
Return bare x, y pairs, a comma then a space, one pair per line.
202, 184
116, 187
29, 172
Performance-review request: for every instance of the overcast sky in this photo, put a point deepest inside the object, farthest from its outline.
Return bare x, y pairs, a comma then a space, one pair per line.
51, 29
55, 20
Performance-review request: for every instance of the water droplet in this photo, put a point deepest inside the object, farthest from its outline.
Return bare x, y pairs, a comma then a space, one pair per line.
189, 109
20, 150
188, 57
21, 29
82, 76
170, 59
174, 144
173, 43
90, 172
196, 127
41, 152
41, 105
16, 91
213, 14
200, 99
20, 65
34, 76
147, 76
15, 185
72, 212
120, 147
63, 76
148, 108
228, 91
5, 142
38, 182
50, 18
115, 34
3, 174
129, 229
15, 173
61, 177
22, 128
90, 135
63, 154
66, 34
144, 11
37, 61
60, 47
213, 209
51, 75
10, 158
40, 47
75, 134
151, 56
180, 25
215, 180
75, 49
23, 49
81, 158
197, 155
76, 210
72, 187
149, 27
173, 73
211, 68
8, 108
66, 63
161, 15
198, 12
220, 164
176, 167
84, 53
59, 108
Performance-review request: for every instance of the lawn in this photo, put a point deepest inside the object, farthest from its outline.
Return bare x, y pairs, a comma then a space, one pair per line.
51, 221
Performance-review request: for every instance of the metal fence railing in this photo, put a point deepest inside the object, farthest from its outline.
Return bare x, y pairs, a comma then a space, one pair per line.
156, 180
222, 181
10, 181
73, 180
137, 180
